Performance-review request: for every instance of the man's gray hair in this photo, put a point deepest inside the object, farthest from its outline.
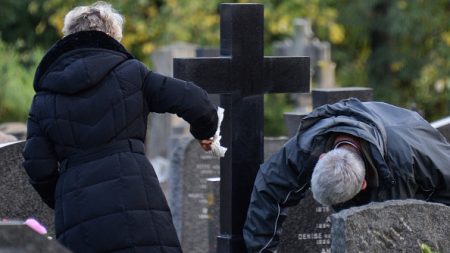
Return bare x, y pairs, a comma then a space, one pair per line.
337, 177
99, 16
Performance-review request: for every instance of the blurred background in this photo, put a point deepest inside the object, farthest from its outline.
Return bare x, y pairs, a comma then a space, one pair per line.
400, 48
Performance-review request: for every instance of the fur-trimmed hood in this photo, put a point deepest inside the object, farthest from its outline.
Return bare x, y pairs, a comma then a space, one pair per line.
78, 61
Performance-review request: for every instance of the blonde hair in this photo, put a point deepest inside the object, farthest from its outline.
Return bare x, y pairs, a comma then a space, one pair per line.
99, 16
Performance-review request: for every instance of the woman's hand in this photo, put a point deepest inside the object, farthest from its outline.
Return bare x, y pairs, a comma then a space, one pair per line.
206, 144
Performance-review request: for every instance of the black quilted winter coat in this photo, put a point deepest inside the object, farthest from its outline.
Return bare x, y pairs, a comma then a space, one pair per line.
85, 154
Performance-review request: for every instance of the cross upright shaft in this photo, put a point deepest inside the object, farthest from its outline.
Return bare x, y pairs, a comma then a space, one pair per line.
242, 75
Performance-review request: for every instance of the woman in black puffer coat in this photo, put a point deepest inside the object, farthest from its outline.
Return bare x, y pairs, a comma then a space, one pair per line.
84, 152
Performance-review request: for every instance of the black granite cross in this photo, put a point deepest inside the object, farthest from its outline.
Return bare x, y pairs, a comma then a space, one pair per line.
241, 75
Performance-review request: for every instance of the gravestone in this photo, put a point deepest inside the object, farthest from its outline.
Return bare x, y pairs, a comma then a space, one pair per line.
333, 95
18, 198
191, 167
392, 226
326, 96
15, 237
443, 125
242, 74
304, 43
307, 226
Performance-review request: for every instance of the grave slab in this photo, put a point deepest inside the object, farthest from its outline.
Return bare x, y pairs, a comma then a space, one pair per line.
391, 226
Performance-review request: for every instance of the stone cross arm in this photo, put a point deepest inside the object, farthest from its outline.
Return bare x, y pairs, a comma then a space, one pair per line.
216, 75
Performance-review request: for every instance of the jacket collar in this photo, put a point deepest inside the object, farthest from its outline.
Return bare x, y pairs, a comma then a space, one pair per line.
85, 39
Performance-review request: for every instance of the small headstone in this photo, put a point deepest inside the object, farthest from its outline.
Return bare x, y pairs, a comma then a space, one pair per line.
306, 228
18, 238
392, 226
443, 125
18, 198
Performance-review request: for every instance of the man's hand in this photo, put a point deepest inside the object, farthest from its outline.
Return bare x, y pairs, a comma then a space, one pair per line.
206, 144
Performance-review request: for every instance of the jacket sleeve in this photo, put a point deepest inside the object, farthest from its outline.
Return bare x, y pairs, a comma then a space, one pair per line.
40, 161
188, 101
279, 184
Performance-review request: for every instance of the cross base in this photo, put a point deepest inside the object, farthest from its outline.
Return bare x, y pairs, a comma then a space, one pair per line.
230, 243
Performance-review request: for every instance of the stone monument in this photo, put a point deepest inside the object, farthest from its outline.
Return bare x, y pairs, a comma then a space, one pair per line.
242, 75
18, 198
392, 226
191, 166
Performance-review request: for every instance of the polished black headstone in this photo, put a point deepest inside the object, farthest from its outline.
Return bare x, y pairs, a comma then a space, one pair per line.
242, 74
326, 96
333, 95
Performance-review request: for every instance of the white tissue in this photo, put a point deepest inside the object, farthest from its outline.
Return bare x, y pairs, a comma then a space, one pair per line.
216, 148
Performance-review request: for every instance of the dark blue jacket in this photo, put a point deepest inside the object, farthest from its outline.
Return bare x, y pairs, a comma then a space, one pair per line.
411, 160
84, 152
